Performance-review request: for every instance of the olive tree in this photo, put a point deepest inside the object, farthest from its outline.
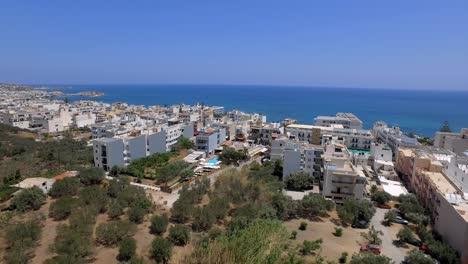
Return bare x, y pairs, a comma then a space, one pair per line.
28, 199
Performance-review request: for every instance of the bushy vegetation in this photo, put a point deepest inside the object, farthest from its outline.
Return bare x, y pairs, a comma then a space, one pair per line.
299, 181
338, 231
381, 197
127, 249
373, 236
182, 144
65, 187
159, 224
21, 238
369, 258
390, 217
405, 235
409, 204
418, 257
183, 208
230, 156
112, 233
179, 235
73, 243
145, 167
19, 152
92, 175
94, 196
62, 208
354, 210
303, 226
28, 199
170, 171
308, 247
161, 250
261, 242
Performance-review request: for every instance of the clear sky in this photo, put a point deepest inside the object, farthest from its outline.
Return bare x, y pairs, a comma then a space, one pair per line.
375, 44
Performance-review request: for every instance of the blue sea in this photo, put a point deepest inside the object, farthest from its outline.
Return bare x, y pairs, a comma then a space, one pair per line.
416, 111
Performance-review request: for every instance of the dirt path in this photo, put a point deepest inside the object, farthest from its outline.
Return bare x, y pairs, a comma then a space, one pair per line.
143, 239
49, 232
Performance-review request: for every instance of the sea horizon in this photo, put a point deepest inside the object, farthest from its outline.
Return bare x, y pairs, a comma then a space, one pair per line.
416, 111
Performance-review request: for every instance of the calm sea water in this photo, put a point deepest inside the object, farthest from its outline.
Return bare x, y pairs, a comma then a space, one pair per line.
421, 112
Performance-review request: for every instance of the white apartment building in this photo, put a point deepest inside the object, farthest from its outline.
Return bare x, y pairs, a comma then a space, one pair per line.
297, 156
348, 120
83, 119
121, 150
126, 145
393, 137
16, 119
341, 178
382, 164
353, 138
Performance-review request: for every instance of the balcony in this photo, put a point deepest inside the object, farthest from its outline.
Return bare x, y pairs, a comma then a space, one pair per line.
343, 193
342, 182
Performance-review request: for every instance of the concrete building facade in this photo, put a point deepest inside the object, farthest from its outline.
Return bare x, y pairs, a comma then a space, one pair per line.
208, 140
348, 120
341, 179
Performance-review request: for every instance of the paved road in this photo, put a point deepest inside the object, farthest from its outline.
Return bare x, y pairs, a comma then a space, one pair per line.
387, 247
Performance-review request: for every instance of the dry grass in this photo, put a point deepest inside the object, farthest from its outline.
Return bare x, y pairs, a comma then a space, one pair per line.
332, 246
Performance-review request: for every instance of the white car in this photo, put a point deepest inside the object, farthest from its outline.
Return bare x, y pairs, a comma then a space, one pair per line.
400, 220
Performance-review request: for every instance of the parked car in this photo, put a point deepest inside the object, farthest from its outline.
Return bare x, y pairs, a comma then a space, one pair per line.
370, 248
416, 243
360, 224
400, 220
384, 206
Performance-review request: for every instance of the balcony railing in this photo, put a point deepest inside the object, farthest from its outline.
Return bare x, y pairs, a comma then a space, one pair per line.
345, 193
342, 182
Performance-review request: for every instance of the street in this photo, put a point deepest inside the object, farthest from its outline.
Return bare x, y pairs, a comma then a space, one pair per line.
388, 248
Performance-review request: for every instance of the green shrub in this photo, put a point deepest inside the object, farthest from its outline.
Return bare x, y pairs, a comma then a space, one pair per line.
159, 224
112, 233
303, 226
355, 209
136, 214
127, 249
293, 234
96, 197
62, 208
161, 250
21, 238
65, 187
179, 235
115, 210
343, 258
381, 197
308, 247
338, 231
28, 199
405, 235
92, 175
370, 258
299, 181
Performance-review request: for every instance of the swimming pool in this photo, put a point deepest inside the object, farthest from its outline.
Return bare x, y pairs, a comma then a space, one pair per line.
213, 161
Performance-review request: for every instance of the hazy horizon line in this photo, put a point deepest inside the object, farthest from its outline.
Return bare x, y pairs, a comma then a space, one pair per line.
245, 85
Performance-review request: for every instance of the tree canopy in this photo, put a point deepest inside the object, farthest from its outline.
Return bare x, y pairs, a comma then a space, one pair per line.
28, 199
299, 181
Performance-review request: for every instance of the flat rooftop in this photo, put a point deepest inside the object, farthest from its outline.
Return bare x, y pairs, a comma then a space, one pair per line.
442, 183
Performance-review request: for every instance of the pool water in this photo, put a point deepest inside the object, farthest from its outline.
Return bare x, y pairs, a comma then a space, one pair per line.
213, 161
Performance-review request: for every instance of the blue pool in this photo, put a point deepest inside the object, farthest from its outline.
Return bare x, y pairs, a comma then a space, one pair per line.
213, 161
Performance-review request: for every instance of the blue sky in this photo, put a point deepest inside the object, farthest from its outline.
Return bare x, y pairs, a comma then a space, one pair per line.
374, 44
